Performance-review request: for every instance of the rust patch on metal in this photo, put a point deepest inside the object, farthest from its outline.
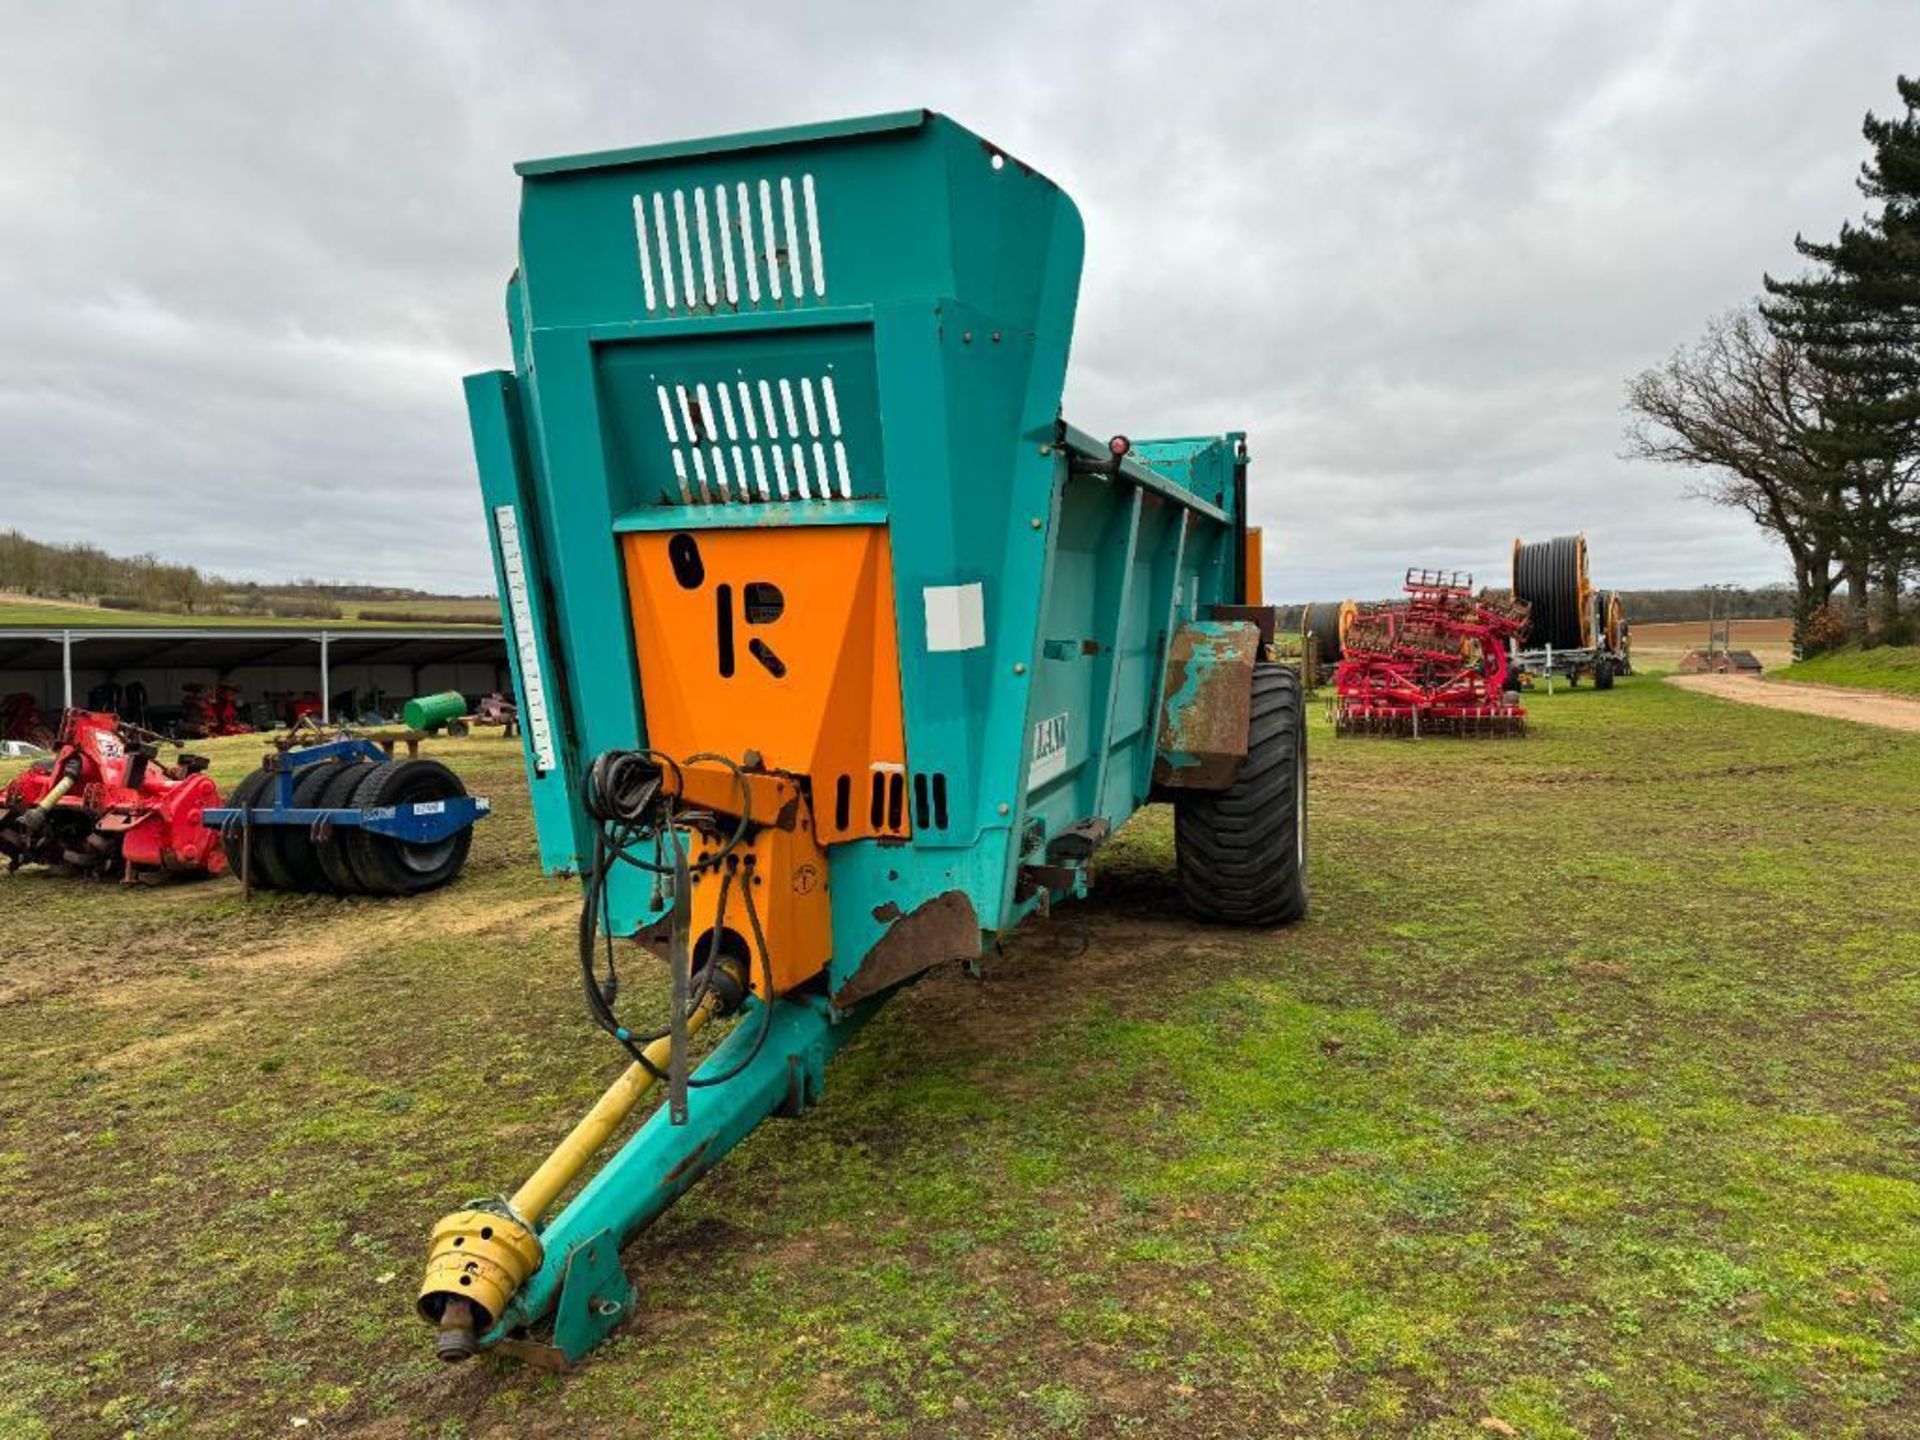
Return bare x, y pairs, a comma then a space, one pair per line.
1208, 708
945, 928
888, 913
687, 1167
1262, 616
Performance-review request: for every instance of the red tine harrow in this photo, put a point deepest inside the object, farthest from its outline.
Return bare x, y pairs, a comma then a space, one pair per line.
1434, 663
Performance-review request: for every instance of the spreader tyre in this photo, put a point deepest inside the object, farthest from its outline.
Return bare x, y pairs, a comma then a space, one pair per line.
387, 866
1242, 851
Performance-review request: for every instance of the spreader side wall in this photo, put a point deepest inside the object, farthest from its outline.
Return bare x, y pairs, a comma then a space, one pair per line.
1128, 568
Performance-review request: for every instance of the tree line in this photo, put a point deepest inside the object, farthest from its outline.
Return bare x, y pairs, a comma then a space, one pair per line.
88, 574
1802, 409
1654, 606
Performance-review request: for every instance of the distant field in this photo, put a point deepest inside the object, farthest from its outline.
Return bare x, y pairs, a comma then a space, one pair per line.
1660, 646
439, 607
1890, 667
29, 610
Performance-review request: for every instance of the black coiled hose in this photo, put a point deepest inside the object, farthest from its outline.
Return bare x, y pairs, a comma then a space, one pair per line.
1550, 575
1322, 622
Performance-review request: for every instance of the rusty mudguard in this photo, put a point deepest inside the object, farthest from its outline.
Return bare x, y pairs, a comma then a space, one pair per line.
1204, 720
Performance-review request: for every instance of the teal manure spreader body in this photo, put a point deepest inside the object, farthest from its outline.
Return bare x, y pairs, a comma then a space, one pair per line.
838, 653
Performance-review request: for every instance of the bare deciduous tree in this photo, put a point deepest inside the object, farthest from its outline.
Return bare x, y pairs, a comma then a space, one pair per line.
1742, 408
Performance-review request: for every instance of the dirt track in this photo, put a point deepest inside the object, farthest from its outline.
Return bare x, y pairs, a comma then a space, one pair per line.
1862, 706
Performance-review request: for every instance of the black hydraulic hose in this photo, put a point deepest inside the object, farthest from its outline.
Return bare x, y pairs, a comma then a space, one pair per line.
766, 1006
623, 793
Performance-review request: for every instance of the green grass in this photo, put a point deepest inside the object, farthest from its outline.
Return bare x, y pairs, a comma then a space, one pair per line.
452, 608
1886, 667
1584, 1103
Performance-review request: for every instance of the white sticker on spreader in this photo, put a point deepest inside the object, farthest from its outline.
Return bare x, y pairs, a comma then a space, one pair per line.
1049, 751
956, 617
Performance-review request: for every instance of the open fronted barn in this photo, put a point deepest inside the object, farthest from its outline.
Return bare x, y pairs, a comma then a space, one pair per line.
149, 674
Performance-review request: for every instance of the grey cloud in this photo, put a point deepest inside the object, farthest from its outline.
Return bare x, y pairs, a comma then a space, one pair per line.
246, 253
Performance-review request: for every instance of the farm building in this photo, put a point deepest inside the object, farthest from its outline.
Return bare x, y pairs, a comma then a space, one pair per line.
347, 669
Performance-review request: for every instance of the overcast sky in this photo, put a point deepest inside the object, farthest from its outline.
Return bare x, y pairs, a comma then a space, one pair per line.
248, 251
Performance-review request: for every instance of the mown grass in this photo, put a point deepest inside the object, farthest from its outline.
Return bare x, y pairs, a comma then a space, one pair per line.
1885, 667
1584, 1104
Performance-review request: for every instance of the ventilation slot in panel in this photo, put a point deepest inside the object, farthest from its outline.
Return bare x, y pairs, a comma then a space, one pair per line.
930, 801
745, 441
744, 246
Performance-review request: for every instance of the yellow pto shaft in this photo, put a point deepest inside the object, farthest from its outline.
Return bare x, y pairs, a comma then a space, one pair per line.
556, 1172
479, 1258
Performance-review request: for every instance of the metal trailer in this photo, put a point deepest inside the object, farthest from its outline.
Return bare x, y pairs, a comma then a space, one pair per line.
837, 653
1608, 658
1575, 630
1599, 665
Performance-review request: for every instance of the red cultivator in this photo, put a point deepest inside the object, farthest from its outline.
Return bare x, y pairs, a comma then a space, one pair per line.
1435, 662
214, 711
104, 805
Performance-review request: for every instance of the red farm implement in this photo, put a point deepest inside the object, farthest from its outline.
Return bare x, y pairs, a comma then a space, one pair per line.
105, 805
212, 711
1435, 663
20, 719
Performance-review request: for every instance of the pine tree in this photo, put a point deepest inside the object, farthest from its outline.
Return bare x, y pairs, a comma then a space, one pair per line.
1857, 314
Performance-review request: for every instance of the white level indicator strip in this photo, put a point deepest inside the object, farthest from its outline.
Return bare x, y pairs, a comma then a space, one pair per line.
520, 612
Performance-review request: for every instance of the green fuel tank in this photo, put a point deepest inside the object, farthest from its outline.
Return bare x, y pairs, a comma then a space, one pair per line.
430, 712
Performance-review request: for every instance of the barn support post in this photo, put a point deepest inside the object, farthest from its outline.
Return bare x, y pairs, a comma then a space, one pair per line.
326, 688
66, 669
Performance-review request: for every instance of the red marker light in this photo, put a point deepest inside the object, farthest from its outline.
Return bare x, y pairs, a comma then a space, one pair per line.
1119, 445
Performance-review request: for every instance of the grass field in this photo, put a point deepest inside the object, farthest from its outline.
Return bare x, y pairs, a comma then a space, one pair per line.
1584, 1104
447, 609
1888, 667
